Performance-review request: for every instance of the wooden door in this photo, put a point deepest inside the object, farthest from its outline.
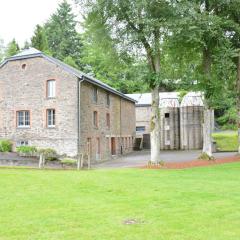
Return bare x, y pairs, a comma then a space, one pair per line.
113, 146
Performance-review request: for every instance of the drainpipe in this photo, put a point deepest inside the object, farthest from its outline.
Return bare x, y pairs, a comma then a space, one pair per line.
80, 80
121, 140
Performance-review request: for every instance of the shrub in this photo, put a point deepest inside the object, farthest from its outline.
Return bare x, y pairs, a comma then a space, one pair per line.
5, 146
49, 153
68, 161
27, 149
205, 156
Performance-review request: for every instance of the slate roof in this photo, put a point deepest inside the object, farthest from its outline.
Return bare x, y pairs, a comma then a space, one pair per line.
192, 99
169, 99
166, 99
33, 53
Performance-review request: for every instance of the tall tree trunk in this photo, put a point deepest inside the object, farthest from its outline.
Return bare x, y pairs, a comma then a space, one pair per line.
238, 100
155, 127
208, 112
155, 118
207, 131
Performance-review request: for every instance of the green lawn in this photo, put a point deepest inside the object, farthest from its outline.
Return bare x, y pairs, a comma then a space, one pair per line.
192, 204
226, 141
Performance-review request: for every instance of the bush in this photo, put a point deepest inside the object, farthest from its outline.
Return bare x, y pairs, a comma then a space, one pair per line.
5, 146
205, 156
27, 149
229, 127
69, 161
49, 153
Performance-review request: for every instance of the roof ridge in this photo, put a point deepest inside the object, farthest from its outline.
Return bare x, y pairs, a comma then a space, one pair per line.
79, 74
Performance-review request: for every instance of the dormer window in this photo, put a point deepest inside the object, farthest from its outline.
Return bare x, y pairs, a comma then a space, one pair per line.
51, 88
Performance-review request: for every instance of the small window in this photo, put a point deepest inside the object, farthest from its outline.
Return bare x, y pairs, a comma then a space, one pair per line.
95, 95
108, 120
98, 149
22, 143
167, 115
140, 129
24, 66
23, 119
108, 99
95, 119
51, 88
51, 118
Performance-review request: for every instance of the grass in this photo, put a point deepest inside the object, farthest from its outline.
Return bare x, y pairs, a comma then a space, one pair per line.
192, 204
226, 141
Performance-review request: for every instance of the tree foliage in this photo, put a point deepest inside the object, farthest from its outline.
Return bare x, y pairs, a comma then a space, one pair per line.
39, 40
104, 60
63, 38
12, 48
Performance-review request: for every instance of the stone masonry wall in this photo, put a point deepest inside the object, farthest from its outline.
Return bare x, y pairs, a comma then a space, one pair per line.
25, 89
122, 123
143, 117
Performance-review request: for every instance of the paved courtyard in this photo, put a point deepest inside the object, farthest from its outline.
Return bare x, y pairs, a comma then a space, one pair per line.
141, 158
134, 159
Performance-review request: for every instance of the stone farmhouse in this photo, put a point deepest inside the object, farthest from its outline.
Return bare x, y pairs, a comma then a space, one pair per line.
181, 121
48, 104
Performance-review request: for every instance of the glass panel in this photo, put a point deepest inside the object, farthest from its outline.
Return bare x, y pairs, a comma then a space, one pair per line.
23, 119
140, 129
51, 117
51, 85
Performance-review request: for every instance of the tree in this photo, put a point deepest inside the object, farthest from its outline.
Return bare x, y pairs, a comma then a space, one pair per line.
233, 32
39, 39
12, 48
63, 38
1, 50
102, 57
138, 26
27, 45
203, 29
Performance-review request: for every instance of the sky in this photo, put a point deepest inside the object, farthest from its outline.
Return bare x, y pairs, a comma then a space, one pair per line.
18, 18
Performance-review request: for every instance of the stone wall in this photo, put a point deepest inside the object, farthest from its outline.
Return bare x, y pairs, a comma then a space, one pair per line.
25, 89
122, 124
143, 117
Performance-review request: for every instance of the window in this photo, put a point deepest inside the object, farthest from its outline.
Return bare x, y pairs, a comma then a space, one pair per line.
167, 115
95, 95
98, 150
51, 118
24, 66
23, 119
95, 119
108, 120
51, 88
140, 129
108, 99
22, 143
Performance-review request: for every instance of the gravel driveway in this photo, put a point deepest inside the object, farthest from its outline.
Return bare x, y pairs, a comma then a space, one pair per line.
141, 158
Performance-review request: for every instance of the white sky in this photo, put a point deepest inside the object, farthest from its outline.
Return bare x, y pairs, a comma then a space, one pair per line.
18, 18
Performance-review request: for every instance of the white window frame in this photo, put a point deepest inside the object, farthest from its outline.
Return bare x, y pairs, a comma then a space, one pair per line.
51, 88
51, 118
22, 143
23, 119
